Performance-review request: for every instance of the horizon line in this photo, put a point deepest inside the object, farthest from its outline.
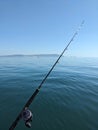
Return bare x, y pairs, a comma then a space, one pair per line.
20, 55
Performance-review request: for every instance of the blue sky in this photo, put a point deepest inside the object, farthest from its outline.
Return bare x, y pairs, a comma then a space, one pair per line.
46, 26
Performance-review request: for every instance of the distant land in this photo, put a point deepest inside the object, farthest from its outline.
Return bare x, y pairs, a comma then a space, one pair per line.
22, 55
41, 55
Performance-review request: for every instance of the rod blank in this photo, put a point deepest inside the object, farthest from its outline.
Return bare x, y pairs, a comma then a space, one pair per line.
38, 89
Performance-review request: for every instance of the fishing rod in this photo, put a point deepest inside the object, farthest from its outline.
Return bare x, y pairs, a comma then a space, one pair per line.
12, 127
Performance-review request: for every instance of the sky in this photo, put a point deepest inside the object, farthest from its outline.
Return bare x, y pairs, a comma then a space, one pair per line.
46, 27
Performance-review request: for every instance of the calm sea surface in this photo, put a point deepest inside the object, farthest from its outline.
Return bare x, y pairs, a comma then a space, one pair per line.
68, 99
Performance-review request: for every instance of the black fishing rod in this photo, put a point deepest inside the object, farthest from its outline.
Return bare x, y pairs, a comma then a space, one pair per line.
38, 89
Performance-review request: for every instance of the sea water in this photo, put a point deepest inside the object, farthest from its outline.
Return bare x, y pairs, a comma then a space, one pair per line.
68, 100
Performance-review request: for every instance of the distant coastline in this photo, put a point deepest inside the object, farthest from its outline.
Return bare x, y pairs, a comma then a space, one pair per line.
43, 55
22, 55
